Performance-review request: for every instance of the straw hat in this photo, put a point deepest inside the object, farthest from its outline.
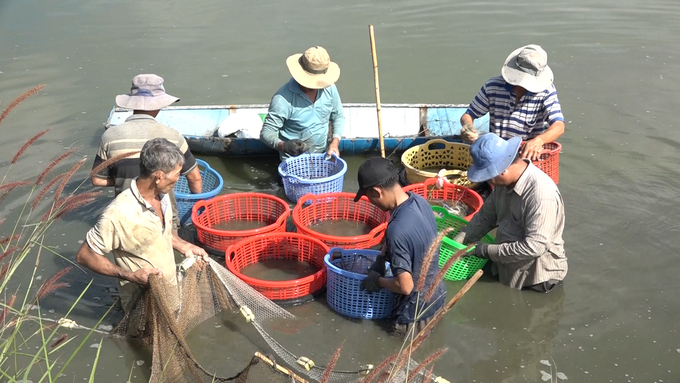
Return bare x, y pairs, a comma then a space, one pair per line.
147, 93
313, 69
528, 67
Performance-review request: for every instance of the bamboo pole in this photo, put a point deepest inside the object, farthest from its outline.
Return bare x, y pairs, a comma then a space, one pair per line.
377, 90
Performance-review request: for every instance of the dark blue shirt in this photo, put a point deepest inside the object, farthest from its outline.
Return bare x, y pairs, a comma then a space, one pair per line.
410, 232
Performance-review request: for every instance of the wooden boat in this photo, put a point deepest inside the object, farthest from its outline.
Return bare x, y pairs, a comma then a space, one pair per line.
404, 125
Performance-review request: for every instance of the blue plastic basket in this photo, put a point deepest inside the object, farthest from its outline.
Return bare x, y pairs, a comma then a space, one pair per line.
212, 185
312, 173
345, 273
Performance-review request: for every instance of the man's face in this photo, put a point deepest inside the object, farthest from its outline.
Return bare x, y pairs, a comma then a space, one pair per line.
502, 179
378, 197
167, 181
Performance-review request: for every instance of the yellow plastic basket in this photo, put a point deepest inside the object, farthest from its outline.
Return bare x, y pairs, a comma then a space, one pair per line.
424, 161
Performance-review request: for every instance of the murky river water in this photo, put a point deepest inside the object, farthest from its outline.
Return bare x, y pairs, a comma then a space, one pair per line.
616, 66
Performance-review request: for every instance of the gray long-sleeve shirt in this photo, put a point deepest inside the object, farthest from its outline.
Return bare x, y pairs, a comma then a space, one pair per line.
529, 248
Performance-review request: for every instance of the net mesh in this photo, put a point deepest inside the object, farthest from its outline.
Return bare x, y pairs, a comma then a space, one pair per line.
164, 314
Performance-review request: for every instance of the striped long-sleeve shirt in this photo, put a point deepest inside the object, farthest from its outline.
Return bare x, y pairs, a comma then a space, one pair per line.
526, 118
529, 248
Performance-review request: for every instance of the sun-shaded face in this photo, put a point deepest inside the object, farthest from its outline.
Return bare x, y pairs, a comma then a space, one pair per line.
379, 198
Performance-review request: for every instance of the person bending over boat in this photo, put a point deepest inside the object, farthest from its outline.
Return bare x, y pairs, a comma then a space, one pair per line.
527, 208
520, 102
137, 226
299, 113
409, 234
146, 98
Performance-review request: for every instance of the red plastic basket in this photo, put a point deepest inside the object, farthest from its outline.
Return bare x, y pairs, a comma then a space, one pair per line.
549, 160
312, 209
253, 207
450, 192
289, 246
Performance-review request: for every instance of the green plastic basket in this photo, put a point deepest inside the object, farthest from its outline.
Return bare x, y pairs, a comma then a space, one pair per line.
464, 267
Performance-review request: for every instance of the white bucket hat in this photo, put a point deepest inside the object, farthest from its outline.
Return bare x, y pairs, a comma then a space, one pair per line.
313, 69
147, 93
528, 67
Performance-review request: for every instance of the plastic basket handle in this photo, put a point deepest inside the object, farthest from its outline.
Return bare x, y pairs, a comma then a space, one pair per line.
439, 141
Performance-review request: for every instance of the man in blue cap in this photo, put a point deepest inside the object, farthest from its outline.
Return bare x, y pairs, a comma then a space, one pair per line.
409, 234
526, 207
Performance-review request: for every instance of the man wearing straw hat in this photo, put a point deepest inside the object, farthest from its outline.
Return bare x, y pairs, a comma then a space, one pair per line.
410, 232
526, 207
520, 102
146, 98
137, 226
301, 110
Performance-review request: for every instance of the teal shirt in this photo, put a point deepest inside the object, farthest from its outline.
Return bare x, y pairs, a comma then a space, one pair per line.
293, 116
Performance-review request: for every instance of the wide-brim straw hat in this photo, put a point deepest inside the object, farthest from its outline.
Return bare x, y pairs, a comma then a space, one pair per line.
147, 93
313, 69
528, 67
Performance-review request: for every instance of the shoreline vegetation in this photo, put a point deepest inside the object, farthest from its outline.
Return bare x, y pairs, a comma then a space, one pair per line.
33, 346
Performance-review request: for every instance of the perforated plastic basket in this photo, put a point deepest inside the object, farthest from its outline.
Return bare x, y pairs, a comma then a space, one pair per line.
346, 270
549, 160
252, 207
450, 193
312, 173
212, 185
287, 246
424, 161
313, 209
464, 267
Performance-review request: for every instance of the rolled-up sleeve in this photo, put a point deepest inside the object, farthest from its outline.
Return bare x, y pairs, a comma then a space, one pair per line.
479, 105
103, 238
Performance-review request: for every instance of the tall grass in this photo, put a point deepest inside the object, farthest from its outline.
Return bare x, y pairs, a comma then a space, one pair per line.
34, 346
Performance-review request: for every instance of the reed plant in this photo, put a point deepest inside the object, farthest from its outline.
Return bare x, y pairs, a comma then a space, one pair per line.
34, 346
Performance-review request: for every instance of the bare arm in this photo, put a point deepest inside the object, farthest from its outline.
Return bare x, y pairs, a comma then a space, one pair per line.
102, 182
101, 265
194, 180
533, 147
401, 284
186, 248
333, 147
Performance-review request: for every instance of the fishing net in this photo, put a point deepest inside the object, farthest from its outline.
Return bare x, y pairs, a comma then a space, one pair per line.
164, 314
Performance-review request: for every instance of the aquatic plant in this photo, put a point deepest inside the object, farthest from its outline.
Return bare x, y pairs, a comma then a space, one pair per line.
33, 346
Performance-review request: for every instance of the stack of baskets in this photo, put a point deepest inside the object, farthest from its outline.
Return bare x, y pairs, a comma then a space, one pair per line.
449, 193
464, 267
313, 209
312, 173
424, 161
212, 185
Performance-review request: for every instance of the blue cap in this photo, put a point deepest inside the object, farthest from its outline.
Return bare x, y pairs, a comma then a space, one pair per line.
491, 156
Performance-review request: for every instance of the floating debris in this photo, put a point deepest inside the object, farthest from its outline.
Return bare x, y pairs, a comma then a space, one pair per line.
139, 362
545, 362
94, 345
105, 327
561, 376
545, 376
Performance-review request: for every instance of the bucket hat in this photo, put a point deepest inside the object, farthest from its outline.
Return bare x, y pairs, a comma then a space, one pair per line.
528, 67
313, 69
491, 156
146, 93
373, 171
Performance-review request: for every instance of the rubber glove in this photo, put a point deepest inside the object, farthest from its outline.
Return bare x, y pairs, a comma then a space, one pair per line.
370, 283
468, 133
294, 147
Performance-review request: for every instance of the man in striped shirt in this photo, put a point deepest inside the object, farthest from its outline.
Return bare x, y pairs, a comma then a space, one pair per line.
526, 207
146, 98
520, 102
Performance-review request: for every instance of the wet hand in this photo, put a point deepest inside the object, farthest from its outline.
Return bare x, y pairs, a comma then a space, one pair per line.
532, 149
294, 147
333, 149
199, 253
371, 283
141, 276
468, 133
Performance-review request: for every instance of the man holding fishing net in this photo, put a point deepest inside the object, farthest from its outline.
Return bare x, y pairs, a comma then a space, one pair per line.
520, 103
409, 236
526, 207
137, 226
300, 111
